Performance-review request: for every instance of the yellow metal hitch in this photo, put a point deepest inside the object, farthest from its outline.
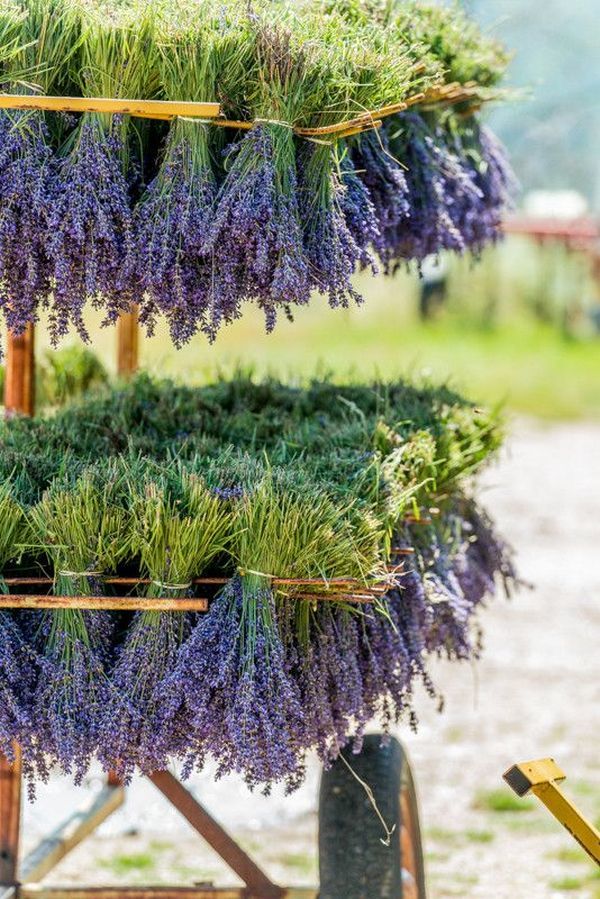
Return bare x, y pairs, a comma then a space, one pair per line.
542, 778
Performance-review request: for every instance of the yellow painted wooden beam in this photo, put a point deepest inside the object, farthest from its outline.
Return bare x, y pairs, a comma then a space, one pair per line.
161, 109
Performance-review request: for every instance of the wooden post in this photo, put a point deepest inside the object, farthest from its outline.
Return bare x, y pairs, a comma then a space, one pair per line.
19, 382
127, 344
19, 398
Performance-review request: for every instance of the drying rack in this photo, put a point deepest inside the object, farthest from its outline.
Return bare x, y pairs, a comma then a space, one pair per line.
23, 881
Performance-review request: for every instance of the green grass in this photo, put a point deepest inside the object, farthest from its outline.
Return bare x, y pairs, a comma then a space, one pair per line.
502, 800
567, 883
480, 836
533, 367
130, 863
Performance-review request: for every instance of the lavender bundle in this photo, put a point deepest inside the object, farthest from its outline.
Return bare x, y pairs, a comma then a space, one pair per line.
179, 527
17, 668
385, 180
242, 697
339, 217
256, 238
90, 232
48, 36
86, 534
174, 218
487, 161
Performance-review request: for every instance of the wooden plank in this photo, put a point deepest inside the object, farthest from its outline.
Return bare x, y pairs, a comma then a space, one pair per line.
19, 382
142, 108
10, 818
71, 833
104, 603
198, 892
224, 845
128, 344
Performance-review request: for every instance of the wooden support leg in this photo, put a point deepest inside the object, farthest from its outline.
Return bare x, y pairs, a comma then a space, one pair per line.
76, 828
19, 383
10, 819
127, 344
258, 884
19, 398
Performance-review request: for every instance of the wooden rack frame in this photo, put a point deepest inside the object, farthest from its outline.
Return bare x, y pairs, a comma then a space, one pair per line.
469, 94
22, 881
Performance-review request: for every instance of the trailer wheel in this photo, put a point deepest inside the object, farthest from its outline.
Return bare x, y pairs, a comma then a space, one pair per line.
353, 861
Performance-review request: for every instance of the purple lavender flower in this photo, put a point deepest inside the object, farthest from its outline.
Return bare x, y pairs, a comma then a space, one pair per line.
26, 169
330, 247
133, 725
386, 183
90, 237
359, 212
73, 651
256, 240
17, 681
242, 705
486, 158
441, 193
172, 224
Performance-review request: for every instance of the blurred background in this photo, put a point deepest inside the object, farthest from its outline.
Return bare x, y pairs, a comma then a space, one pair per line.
521, 326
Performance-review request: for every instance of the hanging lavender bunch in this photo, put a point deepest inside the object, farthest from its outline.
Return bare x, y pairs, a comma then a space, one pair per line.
330, 678
85, 534
256, 238
26, 167
90, 234
485, 158
17, 665
442, 195
484, 556
331, 249
43, 36
359, 212
179, 527
173, 219
171, 227
90, 237
387, 186
394, 648
244, 708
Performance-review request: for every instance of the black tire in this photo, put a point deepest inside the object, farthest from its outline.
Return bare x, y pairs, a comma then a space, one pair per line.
353, 861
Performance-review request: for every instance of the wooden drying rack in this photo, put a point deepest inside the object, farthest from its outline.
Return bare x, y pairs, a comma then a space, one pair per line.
210, 113
22, 880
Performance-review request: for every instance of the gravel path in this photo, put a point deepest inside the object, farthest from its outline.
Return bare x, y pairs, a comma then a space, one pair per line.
535, 693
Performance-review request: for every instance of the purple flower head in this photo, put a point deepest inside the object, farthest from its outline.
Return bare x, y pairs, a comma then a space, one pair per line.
386, 183
26, 170
90, 237
172, 224
331, 249
133, 731
256, 239
73, 652
243, 706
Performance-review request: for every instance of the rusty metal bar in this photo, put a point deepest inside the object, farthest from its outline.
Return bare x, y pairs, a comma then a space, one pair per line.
19, 383
258, 884
128, 344
79, 825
